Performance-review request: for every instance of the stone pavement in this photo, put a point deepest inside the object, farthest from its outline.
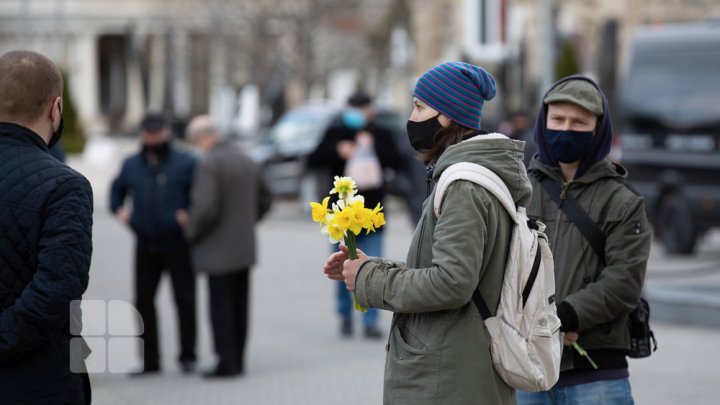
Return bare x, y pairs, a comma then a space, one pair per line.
295, 355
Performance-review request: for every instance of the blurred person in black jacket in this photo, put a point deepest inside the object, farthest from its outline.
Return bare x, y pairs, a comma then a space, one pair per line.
159, 179
354, 136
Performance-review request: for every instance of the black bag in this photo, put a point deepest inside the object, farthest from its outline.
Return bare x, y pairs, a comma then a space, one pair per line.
641, 335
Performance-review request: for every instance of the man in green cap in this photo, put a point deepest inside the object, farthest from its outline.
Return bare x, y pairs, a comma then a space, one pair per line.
600, 249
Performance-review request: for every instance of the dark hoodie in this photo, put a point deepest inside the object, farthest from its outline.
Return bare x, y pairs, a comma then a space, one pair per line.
601, 143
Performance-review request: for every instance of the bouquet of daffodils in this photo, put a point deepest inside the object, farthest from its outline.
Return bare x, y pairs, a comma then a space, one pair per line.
347, 217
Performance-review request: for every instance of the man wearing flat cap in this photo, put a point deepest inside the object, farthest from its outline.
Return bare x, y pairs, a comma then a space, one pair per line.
159, 179
600, 248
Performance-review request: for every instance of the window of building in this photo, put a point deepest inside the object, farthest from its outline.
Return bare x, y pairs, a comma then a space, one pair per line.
485, 28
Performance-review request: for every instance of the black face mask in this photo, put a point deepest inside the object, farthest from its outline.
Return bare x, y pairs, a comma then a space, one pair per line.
422, 134
57, 134
159, 150
568, 146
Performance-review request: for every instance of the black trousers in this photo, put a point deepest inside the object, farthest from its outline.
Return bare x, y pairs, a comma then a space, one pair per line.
229, 315
151, 260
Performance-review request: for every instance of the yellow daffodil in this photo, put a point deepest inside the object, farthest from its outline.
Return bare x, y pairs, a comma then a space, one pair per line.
378, 218
343, 219
347, 217
320, 210
353, 213
334, 232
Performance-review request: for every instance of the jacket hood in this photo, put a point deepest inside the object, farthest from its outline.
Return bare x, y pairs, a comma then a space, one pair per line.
601, 143
497, 152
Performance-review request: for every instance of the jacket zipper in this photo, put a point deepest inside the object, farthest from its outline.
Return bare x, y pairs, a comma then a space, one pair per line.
428, 179
420, 236
563, 190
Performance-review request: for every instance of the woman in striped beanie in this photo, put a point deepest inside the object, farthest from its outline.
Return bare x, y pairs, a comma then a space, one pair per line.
448, 102
439, 348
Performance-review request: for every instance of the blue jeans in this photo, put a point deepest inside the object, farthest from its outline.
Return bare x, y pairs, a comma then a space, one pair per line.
608, 392
371, 244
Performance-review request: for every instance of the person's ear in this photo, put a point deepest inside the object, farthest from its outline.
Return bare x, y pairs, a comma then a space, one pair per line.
443, 120
56, 111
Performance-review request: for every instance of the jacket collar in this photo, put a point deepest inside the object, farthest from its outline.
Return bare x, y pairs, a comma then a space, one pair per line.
21, 134
603, 168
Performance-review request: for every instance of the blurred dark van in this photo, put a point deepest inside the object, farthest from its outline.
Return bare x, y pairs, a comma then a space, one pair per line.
669, 129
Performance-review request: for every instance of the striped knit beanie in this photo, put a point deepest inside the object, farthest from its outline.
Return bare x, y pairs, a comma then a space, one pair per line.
458, 90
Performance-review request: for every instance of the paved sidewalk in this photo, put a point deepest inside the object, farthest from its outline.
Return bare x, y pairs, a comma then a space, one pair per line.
295, 355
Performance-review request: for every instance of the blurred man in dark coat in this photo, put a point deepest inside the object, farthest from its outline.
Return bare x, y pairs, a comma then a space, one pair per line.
228, 199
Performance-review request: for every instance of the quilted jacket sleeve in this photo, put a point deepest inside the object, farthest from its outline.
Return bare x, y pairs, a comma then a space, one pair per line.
64, 251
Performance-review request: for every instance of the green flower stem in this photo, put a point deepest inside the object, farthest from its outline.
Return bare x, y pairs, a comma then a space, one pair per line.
352, 255
583, 353
351, 245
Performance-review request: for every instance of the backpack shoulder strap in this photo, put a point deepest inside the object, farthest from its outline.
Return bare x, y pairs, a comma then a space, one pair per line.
490, 181
569, 205
477, 174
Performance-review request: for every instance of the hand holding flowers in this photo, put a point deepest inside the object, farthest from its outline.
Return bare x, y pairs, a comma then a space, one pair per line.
343, 221
339, 268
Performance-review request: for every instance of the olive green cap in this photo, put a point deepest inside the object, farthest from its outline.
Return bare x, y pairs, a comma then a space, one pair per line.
579, 92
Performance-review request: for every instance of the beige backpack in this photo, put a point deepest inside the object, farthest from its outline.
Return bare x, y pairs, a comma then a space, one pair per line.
525, 332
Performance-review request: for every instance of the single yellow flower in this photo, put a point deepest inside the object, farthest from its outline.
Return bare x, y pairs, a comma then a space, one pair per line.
334, 232
368, 224
378, 218
343, 219
320, 210
354, 212
362, 218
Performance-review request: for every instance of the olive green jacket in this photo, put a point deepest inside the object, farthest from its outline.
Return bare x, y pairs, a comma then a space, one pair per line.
438, 349
601, 297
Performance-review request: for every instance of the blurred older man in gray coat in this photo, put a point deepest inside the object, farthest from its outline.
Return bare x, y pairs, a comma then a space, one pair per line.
228, 198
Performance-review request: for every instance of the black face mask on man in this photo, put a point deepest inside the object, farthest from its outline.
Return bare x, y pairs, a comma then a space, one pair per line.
422, 133
158, 149
55, 138
568, 146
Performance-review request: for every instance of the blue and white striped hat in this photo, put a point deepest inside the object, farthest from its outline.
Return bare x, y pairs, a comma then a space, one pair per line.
458, 90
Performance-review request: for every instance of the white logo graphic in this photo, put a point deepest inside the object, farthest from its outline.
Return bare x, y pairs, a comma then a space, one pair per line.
106, 337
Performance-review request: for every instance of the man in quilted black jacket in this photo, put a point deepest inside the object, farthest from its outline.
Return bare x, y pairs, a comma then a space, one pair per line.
45, 240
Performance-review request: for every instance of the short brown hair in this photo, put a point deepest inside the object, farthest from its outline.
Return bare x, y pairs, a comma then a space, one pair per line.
29, 82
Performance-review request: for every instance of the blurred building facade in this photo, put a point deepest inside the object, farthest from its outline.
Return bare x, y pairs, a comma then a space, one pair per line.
513, 38
246, 61
195, 56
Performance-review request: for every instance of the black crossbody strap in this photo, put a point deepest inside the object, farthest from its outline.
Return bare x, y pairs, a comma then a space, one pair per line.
577, 215
481, 305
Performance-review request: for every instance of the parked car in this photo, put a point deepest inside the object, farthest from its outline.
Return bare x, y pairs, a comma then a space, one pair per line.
284, 150
669, 126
